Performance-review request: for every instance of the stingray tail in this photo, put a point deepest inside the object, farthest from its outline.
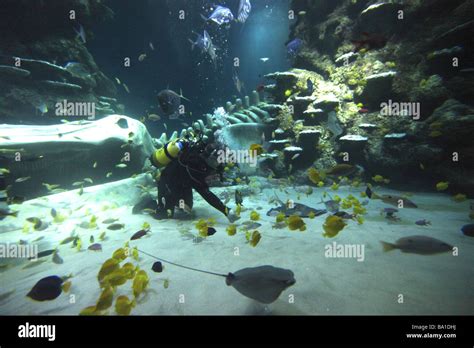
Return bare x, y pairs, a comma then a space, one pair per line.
182, 266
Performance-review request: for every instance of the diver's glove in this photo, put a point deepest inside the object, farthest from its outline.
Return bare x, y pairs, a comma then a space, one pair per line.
232, 216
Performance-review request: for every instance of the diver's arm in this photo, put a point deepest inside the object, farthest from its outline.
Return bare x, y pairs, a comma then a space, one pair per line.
211, 198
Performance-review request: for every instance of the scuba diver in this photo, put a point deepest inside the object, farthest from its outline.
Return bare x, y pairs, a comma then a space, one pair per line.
185, 165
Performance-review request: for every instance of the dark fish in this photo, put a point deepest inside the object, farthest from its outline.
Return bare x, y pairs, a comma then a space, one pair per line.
53, 212
57, 259
391, 199
390, 211
211, 231
251, 225
238, 197
139, 234
263, 284
157, 267
363, 111
423, 222
221, 15
298, 209
68, 240
344, 215
260, 87
342, 169
369, 192
43, 254
6, 211
91, 239
422, 245
468, 230
95, 247
294, 46
244, 10
170, 102
309, 87
46, 289
115, 227
122, 123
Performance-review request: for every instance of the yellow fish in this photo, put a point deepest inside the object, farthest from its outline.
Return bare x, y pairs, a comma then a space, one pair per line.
255, 238
140, 283
254, 216
105, 300
108, 267
256, 149
333, 225
280, 217
295, 222
231, 230
129, 270
442, 185
459, 197
116, 278
380, 179
435, 134
314, 176
123, 305
120, 254
91, 310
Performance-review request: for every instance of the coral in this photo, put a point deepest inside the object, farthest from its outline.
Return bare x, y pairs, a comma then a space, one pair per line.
285, 118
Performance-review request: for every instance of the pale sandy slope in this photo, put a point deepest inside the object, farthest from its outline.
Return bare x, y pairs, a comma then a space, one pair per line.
439, 284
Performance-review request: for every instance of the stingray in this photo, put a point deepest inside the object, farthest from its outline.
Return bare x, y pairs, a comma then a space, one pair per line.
263, 283
298, 209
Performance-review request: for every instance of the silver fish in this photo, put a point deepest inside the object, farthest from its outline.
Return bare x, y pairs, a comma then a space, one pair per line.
422, 245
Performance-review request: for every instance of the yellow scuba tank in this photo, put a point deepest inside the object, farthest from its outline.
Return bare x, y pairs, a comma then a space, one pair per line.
167, 153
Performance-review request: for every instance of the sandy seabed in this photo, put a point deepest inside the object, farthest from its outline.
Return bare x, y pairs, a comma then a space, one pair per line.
433, 284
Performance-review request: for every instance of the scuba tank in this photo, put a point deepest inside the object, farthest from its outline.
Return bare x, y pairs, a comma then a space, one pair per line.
162, 157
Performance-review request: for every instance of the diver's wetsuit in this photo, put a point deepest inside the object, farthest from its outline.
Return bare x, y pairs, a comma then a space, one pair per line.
181, 176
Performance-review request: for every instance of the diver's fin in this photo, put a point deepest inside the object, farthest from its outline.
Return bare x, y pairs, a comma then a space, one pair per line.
388, 246
192, 44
